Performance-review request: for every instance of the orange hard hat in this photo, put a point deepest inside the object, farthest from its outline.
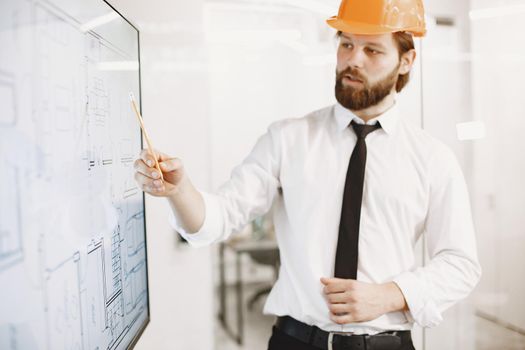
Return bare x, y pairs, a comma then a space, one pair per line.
380, 17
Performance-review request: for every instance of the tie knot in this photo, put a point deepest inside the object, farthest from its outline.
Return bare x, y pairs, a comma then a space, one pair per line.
362, 130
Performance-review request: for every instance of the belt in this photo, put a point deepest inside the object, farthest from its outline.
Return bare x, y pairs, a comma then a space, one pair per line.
390, 340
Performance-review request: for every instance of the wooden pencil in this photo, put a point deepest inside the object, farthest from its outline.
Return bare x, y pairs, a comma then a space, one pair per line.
148, 141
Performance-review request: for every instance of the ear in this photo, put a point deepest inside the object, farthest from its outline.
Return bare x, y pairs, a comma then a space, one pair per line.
407, 60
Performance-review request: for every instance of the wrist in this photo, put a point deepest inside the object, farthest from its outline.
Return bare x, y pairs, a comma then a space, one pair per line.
394, 298
179, 190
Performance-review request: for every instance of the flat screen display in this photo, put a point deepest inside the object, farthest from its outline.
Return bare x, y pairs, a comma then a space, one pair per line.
73, 265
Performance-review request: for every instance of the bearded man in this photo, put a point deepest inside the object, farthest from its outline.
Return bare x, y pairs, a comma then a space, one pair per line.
354, 186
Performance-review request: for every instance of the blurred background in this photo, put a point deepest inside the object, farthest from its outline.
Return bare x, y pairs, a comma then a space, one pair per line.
215, 74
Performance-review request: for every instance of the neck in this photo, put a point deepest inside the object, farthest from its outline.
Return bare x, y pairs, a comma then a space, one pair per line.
378, 109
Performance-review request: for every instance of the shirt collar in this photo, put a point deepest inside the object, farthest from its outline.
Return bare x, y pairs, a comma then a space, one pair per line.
388, 119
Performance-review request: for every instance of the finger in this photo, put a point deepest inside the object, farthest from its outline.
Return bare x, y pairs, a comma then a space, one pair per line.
148, 184
335, 298
162, 156
142, 168
335, 287
338, 309
327, 280
171, 164
147, 157
341, 319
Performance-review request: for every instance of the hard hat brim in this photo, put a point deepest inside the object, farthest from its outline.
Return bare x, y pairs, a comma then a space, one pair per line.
368, 29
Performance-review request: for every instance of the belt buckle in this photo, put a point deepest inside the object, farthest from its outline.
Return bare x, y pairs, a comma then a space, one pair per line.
331, 338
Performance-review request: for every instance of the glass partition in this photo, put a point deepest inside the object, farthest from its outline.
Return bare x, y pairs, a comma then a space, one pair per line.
472, 72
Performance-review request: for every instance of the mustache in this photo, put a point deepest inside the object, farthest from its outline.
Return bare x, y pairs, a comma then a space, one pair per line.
353, 72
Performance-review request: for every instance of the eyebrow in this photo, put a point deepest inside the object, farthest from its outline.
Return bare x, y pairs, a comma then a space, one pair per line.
369, 43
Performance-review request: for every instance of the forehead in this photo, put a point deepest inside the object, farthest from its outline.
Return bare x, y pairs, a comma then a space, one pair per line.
383, 40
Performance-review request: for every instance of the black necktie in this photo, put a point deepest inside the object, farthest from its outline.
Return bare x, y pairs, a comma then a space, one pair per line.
347, 243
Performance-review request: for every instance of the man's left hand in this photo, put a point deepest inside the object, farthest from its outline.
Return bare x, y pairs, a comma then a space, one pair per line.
351, 301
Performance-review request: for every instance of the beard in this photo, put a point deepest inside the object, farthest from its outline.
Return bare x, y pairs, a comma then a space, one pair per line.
359, 98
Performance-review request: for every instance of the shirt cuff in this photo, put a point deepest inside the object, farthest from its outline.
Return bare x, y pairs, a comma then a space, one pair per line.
422, 309
210, 230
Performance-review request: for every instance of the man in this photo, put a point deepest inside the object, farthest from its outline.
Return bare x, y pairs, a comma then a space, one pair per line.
354, 187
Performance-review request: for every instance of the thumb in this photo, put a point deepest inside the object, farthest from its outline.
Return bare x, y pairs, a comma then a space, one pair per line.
171, 165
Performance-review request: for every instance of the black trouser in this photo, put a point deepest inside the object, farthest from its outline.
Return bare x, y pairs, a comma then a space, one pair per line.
282, 341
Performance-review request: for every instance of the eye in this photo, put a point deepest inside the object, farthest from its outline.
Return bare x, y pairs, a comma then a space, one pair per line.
373, 52
346, 45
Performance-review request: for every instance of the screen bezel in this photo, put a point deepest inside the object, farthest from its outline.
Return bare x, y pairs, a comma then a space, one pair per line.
148, 319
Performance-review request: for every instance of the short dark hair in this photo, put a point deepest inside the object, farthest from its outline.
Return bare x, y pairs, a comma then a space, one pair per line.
405, 43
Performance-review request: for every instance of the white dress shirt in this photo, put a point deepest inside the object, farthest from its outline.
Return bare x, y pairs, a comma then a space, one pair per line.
413, 186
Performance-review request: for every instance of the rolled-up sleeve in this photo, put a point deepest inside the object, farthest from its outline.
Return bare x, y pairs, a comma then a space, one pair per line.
453, 269
248, 193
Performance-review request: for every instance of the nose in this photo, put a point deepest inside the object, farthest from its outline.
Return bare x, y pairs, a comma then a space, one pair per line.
354, 58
